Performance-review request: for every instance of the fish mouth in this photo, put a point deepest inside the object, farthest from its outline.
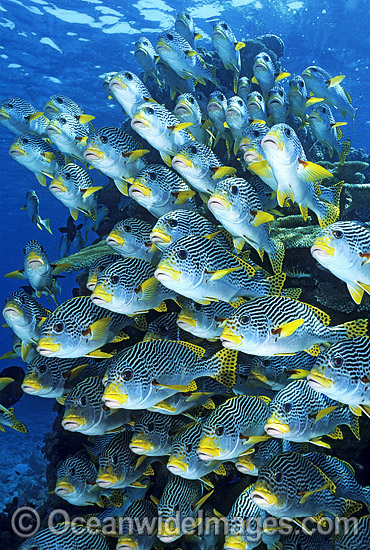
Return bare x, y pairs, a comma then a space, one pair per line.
105, 482
139, 123
262, 498
53, 129
46, 347
275, 101
233, 543
182, 109
250, 157
245, 467
218, 33
112, 399
100, 295
4, 115
166, 274
318, 381
71, 425
218, 203
91, 283
126, 543
93, 154
207, 454
214, 106
34, 262
99, 300
115, 84
159, 237
139, 191
253, 103
57, 186
307, 73
175, 466
321, 247
315, 117
114, 239
31, 386
186, 321
276, 429
181, 162
229, 340
272, 142
140, 446
63, 489
12, 311
162, 47
232, 112
16, 151
50, 107
259, 65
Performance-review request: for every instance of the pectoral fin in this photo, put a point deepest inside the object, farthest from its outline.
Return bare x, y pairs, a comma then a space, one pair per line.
356, 292
88, 192
309, 171
98, 329
220, 273
181, 126
16, 275
182, 196
261, 217
222, 171
148, 289
287, 329
335, 80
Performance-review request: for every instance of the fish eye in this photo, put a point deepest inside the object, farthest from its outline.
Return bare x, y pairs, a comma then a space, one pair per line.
41, 369
187, 15
281, 93
278, 476
72, 471
287, 407
58, 327
152, 176
255, 133
59, 100
191, 100
224, 26
301, 84
266, 362
149, 110
24, 140
188, 448
313, 69
173, 223
22, 299
338, 234
336, 362
245, 319
114, 460
287, 132
234, 189
104, 139
63, 121
127, 228
67, 176
323, 109
182, 254
170, 36
82, 401
265, 57
220, 430
257, 94
127, 375
10, 105
114, 279
193, 150
129, 76
240, 102
150, 426
197, 307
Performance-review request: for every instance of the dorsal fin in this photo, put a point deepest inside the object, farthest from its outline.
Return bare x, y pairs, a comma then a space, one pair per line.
321, 315
199, 351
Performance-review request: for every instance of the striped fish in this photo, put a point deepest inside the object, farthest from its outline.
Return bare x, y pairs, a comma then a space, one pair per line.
20, 117
131, 239
129, 92
98, 267
139, 530
78, 538
204, 321
57, 104
154, 433
69, 133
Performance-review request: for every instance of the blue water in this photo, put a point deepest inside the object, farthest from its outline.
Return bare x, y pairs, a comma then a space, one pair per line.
67, 47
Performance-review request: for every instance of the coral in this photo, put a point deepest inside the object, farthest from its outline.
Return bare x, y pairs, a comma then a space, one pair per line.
349, 172
290, 230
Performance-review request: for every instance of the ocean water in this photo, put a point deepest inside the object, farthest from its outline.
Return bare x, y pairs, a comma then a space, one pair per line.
67, 48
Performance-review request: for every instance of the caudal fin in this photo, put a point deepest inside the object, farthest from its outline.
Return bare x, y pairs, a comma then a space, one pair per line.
351, 329
345, 148
328, 215
46, 224
276, 283
276, 255
227, 361
331, 194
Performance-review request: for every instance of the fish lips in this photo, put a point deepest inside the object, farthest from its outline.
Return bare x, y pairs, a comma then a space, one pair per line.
70, 425
270, 142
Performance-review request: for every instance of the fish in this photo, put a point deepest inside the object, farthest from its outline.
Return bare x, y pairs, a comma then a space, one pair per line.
85, 412
154, 433
11, 379
355, 536
258, 456
344, 248
150, 371
180, 223
130, 238
36, 155
341, 373
203, 270
305, 541
236, 205
277, 371
256, 106
63, 536
145, 55
291, 485
184, 25
69, 133
199, 166
64, 246
74, 187
78, 328
161, 190
98, 267
119, 467
51, 377
300, 414
254, 156
265, 73
327, 131
76, 483
216, 112
227, 47
162, 129
114, 153
7, 416
38, 270
17, 351
181, 499
187, 110
277, 105
129, 92
233, 427
237, 119
23, 314
58, 104
20, 117
204, 321
128, 286
246, 523
173, 81
184, 460
165, 327
32, 209
244, 88
78, 240
266, 196
132, 536
322, 84
296, 177
281, 325
299, 98
184, 401
183, 59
